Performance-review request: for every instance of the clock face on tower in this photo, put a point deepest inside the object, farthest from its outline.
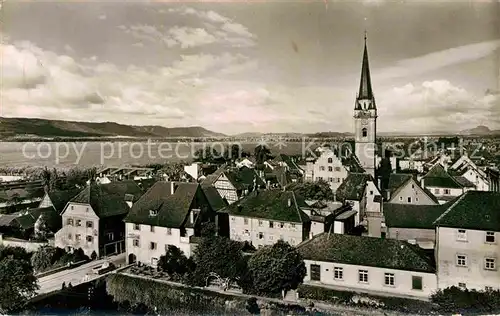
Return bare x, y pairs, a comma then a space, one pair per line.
364, 121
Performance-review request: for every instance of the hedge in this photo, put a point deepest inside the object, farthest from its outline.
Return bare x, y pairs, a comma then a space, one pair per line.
456, 300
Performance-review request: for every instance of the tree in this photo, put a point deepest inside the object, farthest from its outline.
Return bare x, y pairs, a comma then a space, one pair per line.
218, 255
275, 268
175, 263
16, 252
233, 152
17, 281
42, 228
319, 190
45, 257
93, 255
207, 154
261, 153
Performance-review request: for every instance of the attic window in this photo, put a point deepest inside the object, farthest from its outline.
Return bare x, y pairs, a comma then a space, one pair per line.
153, 212
129, 197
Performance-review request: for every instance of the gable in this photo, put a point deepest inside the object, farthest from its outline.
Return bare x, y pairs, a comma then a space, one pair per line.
79, 210
223, 182
46, 202
412, 189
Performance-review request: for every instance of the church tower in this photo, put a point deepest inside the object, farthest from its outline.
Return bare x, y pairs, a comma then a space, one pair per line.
365, 119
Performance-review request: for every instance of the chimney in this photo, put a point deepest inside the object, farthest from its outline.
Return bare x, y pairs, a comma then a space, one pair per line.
172, 189
388, 195
289, 202
380, 182
422, 183
334, 196
193, 215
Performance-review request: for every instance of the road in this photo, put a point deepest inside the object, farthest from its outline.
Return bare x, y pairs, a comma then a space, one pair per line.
75, 276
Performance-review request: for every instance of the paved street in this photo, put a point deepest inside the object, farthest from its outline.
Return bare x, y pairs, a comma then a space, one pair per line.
75, 276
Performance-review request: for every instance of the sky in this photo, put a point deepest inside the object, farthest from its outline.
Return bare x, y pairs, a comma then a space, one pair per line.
261, 66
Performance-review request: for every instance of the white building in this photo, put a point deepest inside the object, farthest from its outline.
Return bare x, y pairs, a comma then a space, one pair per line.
370, 265
264, 217
405, 189
168, 214
442, 185
327, 167
467, 242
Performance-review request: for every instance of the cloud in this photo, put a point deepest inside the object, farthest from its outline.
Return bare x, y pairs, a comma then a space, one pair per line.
436, 105
436, 60
218, 29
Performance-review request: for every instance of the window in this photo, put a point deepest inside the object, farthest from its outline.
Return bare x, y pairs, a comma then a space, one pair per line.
154, 261
488, 288
90, 224
371, 192
89, 238
261, 235
152, 245
337, 169
490, 236
135, 242
461, 260
153, 212
330, 160
233, 219
330, 169
78, 222
389, 279
78, 237
330, 179
282, 225
72, 207
69, 221
401, 198
413, 186
261, 223
137, 227
246, 232
292, 241
169, 231
70, 237
365, 132
462, 235
416, 283
322, 168
245, 221
319, 178
152, 228
271, 224
271, 237
292, 226
86, 209
315, 272
409, 199
363, 276
462, 285
446, 191
436, 191
110, 236
338, 273
489, 263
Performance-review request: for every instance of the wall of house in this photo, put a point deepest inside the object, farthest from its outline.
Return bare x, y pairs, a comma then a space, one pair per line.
332, 172
45, 202
438, 191
406, 164
161, 236
226, 189
370, 192
192, 170
358, 206
376, 279
425, 238
249, 230
8, 178
29, 246
338, 227
481, 183
476, 249
74, 236
309, 171
411, 193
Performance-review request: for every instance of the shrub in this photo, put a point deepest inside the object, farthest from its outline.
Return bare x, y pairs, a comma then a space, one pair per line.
93, 256
456, 300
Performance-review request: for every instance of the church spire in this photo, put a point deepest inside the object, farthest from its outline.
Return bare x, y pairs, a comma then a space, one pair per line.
365, 86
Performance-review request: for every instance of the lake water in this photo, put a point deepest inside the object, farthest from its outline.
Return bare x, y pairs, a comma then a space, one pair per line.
52, 154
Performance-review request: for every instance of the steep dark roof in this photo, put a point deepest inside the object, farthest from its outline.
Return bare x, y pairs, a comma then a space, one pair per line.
28, 220
243, 178
108, 199
438, 177
211, 178
214, 199
353, 186
272, 205
412, 216
60, 198
478, 210
365, 85
366, 251
145, 184
171, 209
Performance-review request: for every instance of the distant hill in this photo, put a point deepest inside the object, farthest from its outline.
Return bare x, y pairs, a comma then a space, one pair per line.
480, 130
14, 127
330, 134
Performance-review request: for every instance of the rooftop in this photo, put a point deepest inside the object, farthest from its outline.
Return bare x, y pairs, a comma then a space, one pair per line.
353, 186
367, 251
412, 216
272, 205
479, 210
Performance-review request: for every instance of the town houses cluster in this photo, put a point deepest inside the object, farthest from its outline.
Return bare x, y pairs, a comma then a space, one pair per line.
429, 223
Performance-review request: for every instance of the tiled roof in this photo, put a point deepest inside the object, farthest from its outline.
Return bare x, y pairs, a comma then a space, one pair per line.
473, 210
243, 178
27, 221
214, 199
366, 251
412, 216
464, 182
60, 198
353, 186
172, 210
438, 177
211, 178
145, 184
108, 199
272, 205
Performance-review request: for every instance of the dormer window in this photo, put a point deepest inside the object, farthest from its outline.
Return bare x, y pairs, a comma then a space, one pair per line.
153, 212
364, 132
